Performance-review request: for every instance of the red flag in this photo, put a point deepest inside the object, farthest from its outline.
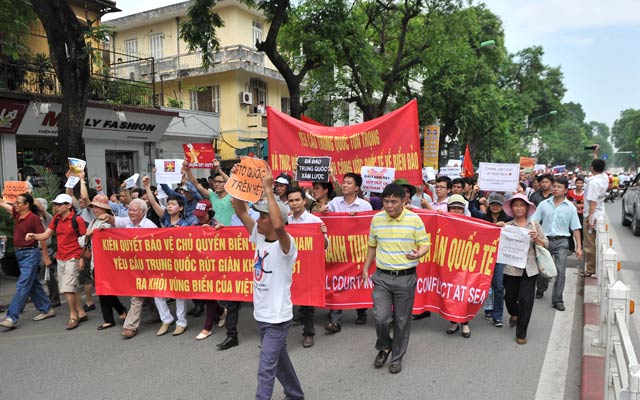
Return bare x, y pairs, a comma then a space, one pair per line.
467, 167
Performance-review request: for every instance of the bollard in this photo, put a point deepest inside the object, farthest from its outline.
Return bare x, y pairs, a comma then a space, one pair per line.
609, 262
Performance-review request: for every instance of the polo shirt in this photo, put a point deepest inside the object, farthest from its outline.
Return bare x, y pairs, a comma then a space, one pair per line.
67, 237
29, 223
393, 238
558, 220
125, 222
595, 190
339, 205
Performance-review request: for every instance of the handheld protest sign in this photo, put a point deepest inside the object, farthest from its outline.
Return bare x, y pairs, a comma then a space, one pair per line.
527, 163
12, 189
374, 179
246, 182
313, 169
168, 171
199, 155
72, 182
496, 177
131, 181
76, 166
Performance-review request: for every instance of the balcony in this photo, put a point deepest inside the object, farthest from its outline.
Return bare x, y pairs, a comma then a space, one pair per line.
40, 78
229, 58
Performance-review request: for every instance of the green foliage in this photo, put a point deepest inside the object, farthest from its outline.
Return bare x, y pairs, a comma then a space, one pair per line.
626, 137
175, 102
16, 18
199, 32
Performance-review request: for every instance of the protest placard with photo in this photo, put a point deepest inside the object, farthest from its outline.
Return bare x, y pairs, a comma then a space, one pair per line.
199, 155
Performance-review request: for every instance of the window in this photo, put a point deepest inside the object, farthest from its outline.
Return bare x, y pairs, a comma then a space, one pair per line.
285, 105
257, 33
131, 48
205, 99
259, 90
155, 46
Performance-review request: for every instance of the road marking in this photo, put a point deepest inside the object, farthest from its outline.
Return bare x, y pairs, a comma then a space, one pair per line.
553, 376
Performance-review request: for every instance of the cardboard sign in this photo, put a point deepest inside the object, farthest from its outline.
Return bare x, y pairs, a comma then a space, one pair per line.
313, 169
199, 155
527, 163
451, 172
495, 177
76, 166
514, 246
246, 183
374, 179
14, 188
168, 171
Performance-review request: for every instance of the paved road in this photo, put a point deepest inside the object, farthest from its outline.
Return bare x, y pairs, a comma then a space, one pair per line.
43, 361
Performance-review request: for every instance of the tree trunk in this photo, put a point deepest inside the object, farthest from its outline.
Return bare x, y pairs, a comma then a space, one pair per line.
70, 58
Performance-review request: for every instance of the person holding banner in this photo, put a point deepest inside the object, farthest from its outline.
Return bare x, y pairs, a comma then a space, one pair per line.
351, 203
520, 284
219, 198
275, 257
397, 240
301, 216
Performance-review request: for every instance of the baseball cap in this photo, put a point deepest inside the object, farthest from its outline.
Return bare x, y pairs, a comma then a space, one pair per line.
495, 198
183, 187
202, 208
62, 198
283, 179
262, 206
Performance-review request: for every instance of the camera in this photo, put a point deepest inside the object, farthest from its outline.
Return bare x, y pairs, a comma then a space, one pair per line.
592, 148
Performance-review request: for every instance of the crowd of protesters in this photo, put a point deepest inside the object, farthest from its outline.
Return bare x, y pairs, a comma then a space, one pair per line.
558, 210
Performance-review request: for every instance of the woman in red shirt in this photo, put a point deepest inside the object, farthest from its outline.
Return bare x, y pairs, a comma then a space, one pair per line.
576, 196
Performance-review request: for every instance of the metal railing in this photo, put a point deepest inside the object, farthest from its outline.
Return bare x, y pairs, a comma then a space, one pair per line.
622, 371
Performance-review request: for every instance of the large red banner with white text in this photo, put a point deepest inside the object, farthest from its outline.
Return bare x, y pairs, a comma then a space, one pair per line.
199, 263
454, 277
390, 141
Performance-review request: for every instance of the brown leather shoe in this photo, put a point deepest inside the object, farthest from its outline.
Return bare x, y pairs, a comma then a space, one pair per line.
307, 341
521, 341
72, 324
129, 333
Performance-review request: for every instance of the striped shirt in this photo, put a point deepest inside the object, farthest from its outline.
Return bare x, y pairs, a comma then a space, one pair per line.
393, 238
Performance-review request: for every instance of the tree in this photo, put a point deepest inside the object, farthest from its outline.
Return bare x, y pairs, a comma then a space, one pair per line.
70, 55
16, 17
625, 137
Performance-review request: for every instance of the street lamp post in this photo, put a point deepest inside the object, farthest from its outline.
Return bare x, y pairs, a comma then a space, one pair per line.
529, 121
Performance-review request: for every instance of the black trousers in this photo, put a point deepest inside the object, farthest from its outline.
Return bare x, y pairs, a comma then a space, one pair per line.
308, 314
519, 296
107, 305
231, 322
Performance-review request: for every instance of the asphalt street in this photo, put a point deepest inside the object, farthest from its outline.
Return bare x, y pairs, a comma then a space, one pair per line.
41, 360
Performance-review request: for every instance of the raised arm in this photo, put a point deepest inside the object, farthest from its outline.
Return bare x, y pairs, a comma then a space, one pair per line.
201, 189
274, 211
157, 208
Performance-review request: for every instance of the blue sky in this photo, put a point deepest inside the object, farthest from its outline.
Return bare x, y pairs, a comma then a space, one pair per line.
595, 42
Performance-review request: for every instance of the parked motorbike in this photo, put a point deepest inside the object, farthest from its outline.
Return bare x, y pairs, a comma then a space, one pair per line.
611, 195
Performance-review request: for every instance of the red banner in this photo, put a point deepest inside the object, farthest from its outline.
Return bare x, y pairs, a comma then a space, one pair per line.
391, 141
199, 155
453, 277
199, 263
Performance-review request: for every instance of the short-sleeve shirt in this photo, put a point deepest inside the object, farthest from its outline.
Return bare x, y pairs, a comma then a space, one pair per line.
339, 205
595, 190
222, 207
558, 220
30, 223
68, 247
393, 238
125, 222
272, 277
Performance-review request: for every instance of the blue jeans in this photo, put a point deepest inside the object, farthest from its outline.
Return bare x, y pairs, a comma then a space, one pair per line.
498, 292
28, 285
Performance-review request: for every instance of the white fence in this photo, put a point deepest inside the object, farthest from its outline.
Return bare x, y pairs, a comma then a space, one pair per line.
622, 371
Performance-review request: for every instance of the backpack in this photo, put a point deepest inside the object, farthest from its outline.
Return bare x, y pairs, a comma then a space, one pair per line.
74, 223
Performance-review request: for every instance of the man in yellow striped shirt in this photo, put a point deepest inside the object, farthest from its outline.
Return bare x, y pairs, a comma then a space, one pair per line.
397, 240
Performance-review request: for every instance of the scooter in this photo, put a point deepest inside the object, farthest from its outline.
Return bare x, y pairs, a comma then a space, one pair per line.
611, 195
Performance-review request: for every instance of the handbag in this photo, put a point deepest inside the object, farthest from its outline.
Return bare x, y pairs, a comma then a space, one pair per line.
546, 265
86, 252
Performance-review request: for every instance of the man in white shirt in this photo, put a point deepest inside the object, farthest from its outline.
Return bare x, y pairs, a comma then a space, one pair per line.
594, 193
275, 257
297, 201
351, 203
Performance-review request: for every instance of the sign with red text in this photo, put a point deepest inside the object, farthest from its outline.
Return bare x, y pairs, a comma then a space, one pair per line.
199, 155
376, 179
453, 278
246, 182
199, 263
390, 141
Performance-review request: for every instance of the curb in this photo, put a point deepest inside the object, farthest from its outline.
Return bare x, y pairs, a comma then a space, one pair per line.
593, 384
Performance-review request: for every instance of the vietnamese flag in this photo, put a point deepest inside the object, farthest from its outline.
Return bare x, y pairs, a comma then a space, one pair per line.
308, 120
467, 167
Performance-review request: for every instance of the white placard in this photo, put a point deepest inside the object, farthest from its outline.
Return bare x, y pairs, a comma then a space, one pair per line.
161, 193
72, 182
494, 177
451, 172
514, 246
539, 167
168, 171
131, 181
428, 174
374, 179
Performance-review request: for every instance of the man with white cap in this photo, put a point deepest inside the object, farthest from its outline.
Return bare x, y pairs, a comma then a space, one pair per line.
68, 227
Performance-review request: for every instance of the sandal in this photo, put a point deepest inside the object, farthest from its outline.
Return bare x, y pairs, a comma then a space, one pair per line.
72, 324
586, 274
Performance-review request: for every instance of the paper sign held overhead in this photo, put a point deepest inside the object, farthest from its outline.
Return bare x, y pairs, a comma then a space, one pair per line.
495, 177
199, 155
451, 172
168, 171
246, 183
12, 189
72, 182
374, 179
313, 169
76, 166
131, 181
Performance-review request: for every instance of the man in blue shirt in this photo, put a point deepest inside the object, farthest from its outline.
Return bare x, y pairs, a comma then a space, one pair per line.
558, 218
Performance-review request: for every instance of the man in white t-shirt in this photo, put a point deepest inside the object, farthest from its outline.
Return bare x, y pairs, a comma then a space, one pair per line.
275, 257
594, 193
